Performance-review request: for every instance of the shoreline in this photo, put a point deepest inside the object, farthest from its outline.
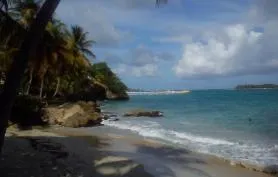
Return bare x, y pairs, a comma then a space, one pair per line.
61, 152
156, 143
271, 169
152, 156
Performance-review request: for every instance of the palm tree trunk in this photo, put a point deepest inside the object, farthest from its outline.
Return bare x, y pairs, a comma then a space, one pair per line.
57, 87
16, 72
30, 81
41, 87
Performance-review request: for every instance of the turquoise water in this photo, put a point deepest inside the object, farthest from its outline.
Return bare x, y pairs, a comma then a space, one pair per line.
237, 125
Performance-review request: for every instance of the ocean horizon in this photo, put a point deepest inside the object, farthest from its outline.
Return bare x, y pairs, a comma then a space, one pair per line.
238, 125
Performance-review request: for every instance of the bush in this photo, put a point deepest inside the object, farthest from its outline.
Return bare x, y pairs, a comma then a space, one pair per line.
103, 74
27, 111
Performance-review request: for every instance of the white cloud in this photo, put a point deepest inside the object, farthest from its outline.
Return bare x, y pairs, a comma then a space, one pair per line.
234, 51
137, 71
143, 55
173, 39
120, 69
146, 70
141, 61
94, 17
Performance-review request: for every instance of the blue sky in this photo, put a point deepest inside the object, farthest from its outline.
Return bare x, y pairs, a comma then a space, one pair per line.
186, 44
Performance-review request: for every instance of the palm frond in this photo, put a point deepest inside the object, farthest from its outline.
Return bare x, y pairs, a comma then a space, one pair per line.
80, 42
6, 4
159, 2
89, 53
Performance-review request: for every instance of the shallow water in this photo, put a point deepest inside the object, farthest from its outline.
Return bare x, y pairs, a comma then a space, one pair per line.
237, 125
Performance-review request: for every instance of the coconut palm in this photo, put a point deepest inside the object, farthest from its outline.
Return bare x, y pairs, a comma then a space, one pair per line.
25, 11
79, 42
80, 46
19, 65
5, 4
56, 55
6, 54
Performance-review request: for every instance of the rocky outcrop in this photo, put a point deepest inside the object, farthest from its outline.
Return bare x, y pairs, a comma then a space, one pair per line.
80, 114
110, 95
83, 120
113, 96
97, 91
144, 114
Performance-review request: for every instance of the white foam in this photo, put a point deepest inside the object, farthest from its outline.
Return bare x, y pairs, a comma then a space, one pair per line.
200, 139
153, 129
148, 129
167, 92
258, 154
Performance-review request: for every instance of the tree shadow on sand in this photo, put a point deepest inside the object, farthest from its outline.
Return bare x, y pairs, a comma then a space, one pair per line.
157, 159
89, 156
48, 156
176, 156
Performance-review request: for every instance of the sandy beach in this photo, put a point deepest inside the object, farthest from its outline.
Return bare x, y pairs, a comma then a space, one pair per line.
75, 152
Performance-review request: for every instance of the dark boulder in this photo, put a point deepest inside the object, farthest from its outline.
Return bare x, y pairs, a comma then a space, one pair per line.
144, 114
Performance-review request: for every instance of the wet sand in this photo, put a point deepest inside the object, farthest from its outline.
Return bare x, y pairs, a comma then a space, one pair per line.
163, 160
99, 152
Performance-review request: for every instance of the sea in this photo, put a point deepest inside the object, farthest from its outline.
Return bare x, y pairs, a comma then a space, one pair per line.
238, 125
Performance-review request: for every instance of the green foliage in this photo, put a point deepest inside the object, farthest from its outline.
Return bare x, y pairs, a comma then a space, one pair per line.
103, 74
26, 111
252, 86
61, 65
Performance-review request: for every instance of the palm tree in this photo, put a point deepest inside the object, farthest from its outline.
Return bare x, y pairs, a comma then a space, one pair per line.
4, 4
6, 53
158, 2
27, 50
62, 56
20, 61
79, 43
24, 11
54, 52
80, 46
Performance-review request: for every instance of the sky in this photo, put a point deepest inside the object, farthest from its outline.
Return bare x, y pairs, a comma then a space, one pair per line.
184, 44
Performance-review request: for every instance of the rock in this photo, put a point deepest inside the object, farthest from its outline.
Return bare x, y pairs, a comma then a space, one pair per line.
273, 169
113, 96
58, 115
98, 110
110, 116
80, 114
105, 117
79, 120
114, 120
144, 114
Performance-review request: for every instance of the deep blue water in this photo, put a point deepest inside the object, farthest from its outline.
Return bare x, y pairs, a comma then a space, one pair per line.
238, 125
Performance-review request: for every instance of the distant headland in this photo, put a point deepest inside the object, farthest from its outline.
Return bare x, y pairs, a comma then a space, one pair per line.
155, 92
255, 86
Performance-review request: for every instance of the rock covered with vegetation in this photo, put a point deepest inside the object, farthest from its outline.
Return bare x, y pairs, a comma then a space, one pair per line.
260, 86
115, 89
